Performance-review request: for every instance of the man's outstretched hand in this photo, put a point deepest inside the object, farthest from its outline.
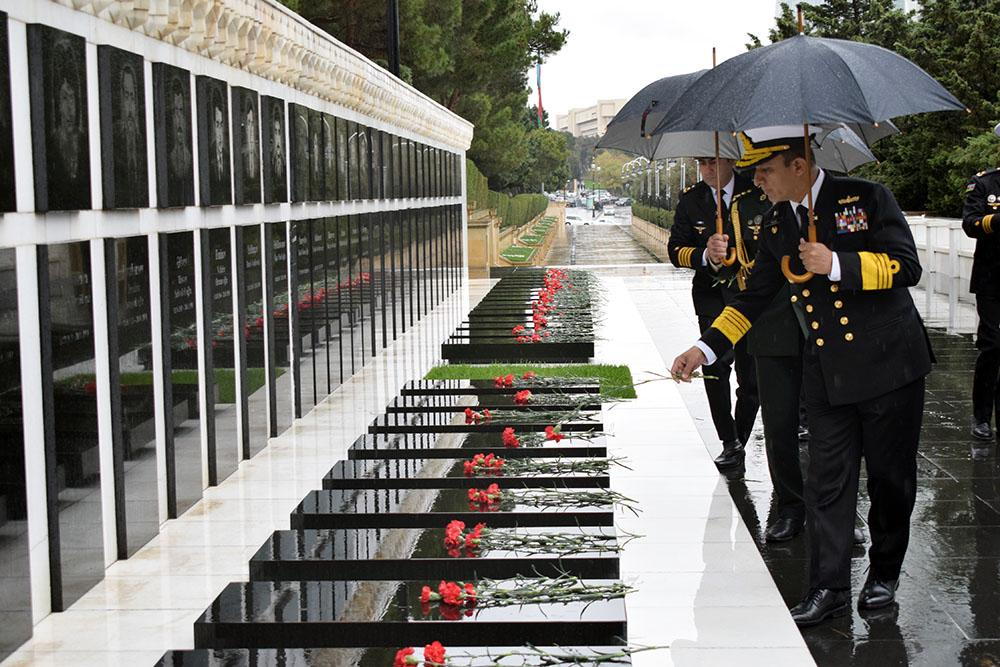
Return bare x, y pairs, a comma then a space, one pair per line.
686, 364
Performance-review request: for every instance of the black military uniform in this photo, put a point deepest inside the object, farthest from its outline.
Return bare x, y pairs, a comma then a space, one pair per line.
694, 223
775, 344
864, 367
980, 220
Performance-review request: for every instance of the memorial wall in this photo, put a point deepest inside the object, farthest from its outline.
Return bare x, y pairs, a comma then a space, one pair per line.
211, 216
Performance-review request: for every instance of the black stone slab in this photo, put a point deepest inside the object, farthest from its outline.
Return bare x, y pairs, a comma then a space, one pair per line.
487, 388
427, 423
548, 401
512, 351
377, 509
382, 474
373, 657
353, 555
411, 447
308, 613
124, 170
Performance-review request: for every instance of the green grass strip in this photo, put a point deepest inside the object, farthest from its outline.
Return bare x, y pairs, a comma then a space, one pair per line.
616, 381
518, 254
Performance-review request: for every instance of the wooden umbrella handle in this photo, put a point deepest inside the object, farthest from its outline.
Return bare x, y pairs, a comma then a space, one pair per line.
811, 231
792, 276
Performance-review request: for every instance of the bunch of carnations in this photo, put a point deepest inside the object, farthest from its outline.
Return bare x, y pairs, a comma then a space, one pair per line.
502, 381
434, 656
485, 500
554, 433
456, 539
510, 440
484, 464
529, 375
473, 417
451, 598
522, 397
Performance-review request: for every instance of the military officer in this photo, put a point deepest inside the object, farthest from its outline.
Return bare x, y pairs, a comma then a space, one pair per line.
980, 220
864, 362
694, 223
775, 343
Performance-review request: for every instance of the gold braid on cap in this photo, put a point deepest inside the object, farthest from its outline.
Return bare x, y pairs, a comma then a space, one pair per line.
752, 155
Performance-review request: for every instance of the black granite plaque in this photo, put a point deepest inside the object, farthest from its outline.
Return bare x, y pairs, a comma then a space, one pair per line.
252, 370
353, 160
330, 157
385, 155
73, 470
246, 146
305, 342
132, 398
15, 580
282, 412
275, 153
317, 157
172, 133
57, 78
181, 380
223, 440
343, 169
375, 143
8, 202
124, 171
335, 302
299, 149
395, 159
213, 142
364, 162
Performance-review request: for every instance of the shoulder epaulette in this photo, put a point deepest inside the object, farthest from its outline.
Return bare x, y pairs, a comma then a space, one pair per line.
987, 171
689, 188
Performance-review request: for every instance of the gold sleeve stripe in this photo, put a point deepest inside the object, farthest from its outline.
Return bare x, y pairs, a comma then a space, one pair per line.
988, 224
877, 270
684, 256
732, 323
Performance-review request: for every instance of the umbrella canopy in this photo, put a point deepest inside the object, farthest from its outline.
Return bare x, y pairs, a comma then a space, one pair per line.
807, 80
842, 150
628, 131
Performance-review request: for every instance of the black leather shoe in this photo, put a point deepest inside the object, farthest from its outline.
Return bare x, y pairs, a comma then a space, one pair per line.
859, 537
982, 431
821, 604
877, 593
783, 529
732, 455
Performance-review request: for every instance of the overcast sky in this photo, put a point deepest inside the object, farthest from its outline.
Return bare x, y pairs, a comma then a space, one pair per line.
617, 47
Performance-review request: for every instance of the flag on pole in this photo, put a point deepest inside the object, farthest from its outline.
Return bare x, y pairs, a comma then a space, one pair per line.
538, 84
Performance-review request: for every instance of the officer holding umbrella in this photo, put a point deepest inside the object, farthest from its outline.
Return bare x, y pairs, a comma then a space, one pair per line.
981, 220
847, 250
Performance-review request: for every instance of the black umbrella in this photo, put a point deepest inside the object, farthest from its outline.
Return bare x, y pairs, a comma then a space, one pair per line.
629, 130
803, 80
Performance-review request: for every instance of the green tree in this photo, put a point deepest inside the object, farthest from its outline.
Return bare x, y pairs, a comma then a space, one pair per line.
546, 166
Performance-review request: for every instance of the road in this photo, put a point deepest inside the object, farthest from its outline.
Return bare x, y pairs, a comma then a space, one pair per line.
606, 239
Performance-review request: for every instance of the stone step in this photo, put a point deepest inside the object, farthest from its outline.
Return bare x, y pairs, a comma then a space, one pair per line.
486, 387
382, 474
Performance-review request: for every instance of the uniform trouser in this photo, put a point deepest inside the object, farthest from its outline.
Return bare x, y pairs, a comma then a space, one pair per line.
719, 400
985, 397
779, 381
885, 431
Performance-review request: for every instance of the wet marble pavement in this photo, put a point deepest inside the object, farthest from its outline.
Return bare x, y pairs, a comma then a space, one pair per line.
601, 241
948, 610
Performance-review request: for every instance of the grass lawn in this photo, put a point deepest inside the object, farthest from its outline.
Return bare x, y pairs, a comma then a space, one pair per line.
518, 254
616, 381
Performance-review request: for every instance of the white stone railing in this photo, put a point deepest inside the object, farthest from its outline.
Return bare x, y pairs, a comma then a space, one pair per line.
946, 257
267, 39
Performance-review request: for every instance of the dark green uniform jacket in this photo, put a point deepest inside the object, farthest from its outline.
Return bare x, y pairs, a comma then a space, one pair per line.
864, 328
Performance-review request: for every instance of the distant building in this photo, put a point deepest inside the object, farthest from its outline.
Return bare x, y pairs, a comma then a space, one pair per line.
589, 121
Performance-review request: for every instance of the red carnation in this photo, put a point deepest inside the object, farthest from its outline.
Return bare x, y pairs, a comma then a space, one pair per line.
522, 397
553, 433
434, 655
529, 375
402, 658
508, 380
425, 594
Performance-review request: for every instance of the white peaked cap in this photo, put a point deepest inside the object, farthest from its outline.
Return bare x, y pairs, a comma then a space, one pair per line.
773, 132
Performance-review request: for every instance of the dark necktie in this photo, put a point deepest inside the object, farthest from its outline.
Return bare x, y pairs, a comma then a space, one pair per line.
803, 213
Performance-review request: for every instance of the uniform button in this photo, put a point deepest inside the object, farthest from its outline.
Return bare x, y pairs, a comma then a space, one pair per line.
848, 336
794, 298
815, 325
819, 342
838, 304
843, 320
805, 293
809, 308
834, 287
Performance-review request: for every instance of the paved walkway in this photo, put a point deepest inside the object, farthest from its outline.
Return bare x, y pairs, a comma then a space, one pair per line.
601, 241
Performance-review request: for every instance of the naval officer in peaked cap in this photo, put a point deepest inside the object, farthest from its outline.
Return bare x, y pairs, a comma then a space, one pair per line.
864, 362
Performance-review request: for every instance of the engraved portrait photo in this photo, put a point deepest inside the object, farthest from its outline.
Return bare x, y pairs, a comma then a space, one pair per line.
273, 133
213, 141
330, 157
7, 200
172, 125
300, 152
123, 128
316, 184
246, 146
58, 90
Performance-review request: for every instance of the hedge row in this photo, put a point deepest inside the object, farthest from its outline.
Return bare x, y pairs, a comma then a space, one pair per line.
512, 211
658, 216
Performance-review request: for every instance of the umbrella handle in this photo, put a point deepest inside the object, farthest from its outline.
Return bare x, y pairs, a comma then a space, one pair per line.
794, 277
731, 258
